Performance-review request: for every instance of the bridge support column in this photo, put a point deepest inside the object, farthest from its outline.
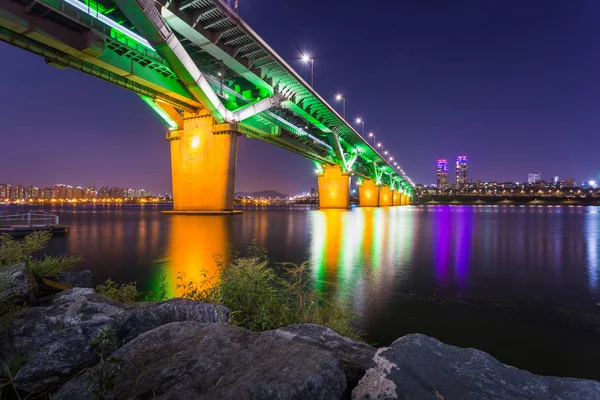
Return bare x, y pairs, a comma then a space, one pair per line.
396, 198
385, 196
368, 194
334, 187
203, 161
405, 199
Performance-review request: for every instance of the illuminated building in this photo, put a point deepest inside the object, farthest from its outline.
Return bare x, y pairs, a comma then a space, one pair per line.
33, 192
60, 191
442, 174
5, 190
534, 177
462, 172
570, 182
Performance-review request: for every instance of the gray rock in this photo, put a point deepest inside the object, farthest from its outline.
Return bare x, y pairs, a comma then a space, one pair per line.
82, 279
17, 285
148, 316
190, 360
420, 367
56, 341
356, 357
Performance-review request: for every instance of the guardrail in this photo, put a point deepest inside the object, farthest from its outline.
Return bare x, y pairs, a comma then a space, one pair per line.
37, 218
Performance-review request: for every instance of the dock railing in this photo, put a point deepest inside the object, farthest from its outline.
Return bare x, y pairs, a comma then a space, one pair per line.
35, 218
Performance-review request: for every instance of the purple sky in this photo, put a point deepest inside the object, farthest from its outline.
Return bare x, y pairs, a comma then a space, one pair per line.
514, 85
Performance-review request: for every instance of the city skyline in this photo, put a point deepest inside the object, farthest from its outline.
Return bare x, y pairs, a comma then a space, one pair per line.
489, 100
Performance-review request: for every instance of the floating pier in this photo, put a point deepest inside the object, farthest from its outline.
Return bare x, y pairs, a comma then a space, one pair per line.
25, 223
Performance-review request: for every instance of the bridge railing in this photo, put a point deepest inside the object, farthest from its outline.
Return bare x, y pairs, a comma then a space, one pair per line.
38, 218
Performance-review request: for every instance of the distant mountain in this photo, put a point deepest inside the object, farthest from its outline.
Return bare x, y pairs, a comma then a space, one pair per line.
264, 193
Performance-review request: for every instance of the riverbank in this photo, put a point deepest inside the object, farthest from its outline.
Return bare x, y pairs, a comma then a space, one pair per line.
506, 200
77, 344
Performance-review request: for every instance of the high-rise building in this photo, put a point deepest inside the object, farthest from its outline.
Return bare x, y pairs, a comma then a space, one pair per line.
462, 172
534, 177
442, 174
5, 191
570, 182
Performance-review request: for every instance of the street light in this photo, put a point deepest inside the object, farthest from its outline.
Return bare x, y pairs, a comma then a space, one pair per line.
341, 98
307, 58
371, 134
361, 121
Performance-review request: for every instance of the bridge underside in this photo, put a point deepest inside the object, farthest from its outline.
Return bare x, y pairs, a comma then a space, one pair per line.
211, 78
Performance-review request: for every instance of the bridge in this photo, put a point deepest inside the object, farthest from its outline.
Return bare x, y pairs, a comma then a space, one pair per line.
201, 68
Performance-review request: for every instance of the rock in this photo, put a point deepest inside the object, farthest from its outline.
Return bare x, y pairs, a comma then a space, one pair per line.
82, 279
190, 360
56, 341
17, 285
356, 357
420, 367
148, 316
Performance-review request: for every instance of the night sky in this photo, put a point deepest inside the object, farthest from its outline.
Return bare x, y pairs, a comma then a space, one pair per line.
514, 85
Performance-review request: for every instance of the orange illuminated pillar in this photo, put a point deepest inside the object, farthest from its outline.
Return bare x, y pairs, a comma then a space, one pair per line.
385, 196
396, 198
203, 161
334, 187
368, 194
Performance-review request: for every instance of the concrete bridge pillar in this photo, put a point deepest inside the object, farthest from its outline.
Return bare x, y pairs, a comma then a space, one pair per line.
203, 161
396, 198
405, 199
368, 194
334, 187
385, 196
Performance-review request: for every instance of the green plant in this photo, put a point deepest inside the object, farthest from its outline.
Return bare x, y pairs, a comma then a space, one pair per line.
263, 298
101, 378
51, 266
125, 292
16, 251
9, 370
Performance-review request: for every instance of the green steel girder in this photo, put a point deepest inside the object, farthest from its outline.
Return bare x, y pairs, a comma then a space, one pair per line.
215, 34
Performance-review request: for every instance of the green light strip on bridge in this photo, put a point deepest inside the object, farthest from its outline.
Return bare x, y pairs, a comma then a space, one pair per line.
104, 19
170, 121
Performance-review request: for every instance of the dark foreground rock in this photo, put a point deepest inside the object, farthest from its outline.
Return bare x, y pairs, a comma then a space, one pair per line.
57, 341
420, 367
189, 360
81, 279
356, 357
17, 285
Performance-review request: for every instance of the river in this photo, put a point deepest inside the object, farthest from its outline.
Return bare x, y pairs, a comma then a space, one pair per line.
497, 278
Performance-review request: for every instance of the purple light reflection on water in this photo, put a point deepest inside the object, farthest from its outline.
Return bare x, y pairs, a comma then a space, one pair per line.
441, 250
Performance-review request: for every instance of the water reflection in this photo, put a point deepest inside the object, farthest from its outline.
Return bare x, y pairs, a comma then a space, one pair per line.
592, 243
194, 243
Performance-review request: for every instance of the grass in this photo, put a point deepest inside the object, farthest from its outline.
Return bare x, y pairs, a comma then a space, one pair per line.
261, 298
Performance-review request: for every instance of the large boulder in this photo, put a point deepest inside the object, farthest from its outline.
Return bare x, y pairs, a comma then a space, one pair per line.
147, 316
356, 357
57, 341
82, 279
420, 367
190, 360
17, 285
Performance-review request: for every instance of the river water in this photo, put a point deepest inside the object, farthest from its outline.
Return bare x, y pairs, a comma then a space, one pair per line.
497, 278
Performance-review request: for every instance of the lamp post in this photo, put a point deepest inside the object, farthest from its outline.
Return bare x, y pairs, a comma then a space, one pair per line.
341, 98
380, 145
361, 121
371, 134
307, 58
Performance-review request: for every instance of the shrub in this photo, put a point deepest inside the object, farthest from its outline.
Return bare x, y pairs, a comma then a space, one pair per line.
125, 292
261, 298
51, 266
14, 251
